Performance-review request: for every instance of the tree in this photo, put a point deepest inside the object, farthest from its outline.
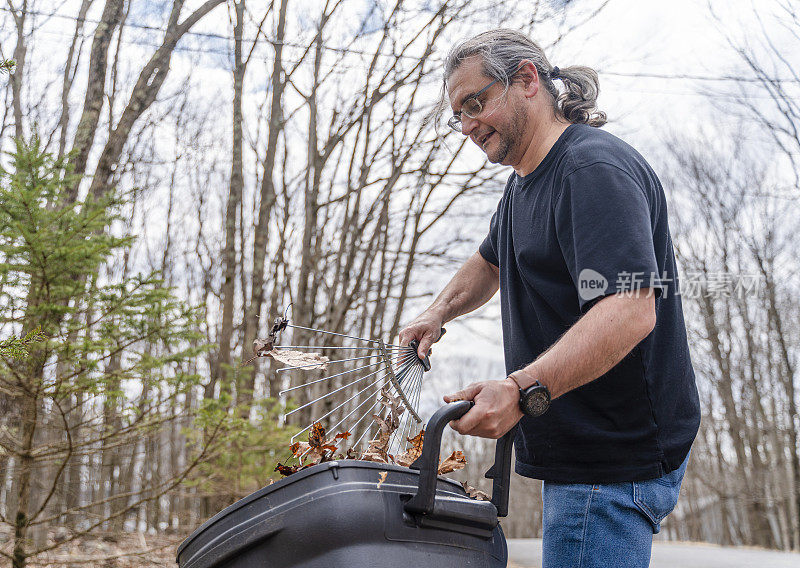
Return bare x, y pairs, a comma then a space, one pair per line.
131, 335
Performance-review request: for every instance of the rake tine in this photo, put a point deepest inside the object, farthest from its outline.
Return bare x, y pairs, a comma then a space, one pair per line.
327, 378
339, 406
326, 395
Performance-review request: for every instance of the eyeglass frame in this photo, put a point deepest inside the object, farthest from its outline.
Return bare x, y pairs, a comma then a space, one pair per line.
454, 122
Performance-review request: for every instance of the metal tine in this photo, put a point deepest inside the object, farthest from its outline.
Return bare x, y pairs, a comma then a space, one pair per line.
415, 393
368, 426
408, 372
332, 347
332, 410
328, 377
402, 432
343, 335
332, 333
365, 401
326, 395
333, 428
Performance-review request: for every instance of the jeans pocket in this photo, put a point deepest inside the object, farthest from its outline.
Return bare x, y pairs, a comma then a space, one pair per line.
657, 497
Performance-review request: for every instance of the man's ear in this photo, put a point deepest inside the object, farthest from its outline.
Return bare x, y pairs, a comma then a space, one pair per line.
529, 77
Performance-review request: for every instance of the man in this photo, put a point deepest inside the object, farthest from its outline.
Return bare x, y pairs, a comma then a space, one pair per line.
595, 344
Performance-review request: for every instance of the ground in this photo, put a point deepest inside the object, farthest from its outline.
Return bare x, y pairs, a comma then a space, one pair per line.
140, 550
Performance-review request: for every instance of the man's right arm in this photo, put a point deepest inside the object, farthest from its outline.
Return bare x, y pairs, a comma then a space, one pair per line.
472, 286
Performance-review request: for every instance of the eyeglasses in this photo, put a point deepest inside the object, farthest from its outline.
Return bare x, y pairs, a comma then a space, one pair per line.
472, 107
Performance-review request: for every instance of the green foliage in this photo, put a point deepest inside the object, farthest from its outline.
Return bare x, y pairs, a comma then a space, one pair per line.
7, 66
17, 347
254, 447
113, 352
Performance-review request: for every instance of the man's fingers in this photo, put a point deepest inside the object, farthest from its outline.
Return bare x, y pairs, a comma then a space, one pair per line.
424, 345
465, 394
468, 422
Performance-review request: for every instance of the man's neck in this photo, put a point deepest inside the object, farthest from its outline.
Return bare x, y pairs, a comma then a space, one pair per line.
542, 140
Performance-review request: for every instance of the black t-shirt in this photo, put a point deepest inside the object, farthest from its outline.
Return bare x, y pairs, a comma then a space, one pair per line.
590, 221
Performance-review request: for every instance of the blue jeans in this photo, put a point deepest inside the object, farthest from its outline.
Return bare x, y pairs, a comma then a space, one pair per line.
605, 525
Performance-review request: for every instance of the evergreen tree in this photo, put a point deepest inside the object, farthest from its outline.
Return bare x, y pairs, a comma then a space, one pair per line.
106, 372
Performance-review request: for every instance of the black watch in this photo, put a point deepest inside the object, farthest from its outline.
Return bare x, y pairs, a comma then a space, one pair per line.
534, 400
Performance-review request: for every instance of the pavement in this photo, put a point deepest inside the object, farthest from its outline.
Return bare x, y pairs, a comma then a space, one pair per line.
527, 553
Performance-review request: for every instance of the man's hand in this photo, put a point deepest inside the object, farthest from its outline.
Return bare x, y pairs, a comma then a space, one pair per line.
496, 408
427, 328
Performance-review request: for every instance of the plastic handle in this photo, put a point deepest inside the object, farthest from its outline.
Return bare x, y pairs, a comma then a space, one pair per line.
500, 472
428, 462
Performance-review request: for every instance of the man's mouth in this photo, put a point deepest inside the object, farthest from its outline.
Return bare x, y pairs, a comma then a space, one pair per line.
483, 139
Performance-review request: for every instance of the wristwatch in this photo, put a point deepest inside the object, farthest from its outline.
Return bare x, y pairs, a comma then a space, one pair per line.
534, 400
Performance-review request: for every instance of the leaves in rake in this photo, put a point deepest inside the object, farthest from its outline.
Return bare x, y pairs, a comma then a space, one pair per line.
261, 347
307, 361
318, 449
454, 462
413, 452
378, 449
475, 493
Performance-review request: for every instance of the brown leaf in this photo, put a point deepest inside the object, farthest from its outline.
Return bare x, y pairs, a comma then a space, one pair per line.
262, 346
379, 457
382, 475
285, 470
475, 493
454, 462
316, 437
411, 454
307, 361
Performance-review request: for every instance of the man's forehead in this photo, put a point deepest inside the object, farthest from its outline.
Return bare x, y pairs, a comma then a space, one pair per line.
467, 79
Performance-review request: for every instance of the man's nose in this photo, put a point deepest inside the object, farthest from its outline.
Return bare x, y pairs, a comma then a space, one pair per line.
468, 124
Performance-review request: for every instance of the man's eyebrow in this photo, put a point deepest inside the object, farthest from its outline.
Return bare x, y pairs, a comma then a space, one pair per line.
469, 96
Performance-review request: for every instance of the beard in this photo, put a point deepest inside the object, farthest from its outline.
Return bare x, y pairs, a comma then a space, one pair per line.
509, 137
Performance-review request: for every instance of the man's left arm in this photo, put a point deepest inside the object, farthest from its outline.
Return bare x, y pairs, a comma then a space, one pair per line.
590, 348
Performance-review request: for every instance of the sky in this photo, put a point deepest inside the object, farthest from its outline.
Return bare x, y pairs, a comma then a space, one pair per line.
642, 50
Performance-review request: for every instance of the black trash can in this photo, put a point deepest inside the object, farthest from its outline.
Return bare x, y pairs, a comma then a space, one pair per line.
340, 514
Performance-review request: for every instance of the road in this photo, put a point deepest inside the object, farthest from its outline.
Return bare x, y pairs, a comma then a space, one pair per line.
527, 553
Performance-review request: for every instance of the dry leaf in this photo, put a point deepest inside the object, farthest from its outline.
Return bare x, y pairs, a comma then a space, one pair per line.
475, 493
308, 361
285, 470
382, 475
411, 454
454, 462
261, 347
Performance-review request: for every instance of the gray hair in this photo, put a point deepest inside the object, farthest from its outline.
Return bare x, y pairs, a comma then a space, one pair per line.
502, 50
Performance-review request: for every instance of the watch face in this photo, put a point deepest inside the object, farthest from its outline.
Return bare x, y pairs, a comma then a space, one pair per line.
536, 403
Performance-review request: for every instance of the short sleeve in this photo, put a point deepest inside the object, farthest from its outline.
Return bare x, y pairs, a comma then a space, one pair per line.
488, 248
604, 229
